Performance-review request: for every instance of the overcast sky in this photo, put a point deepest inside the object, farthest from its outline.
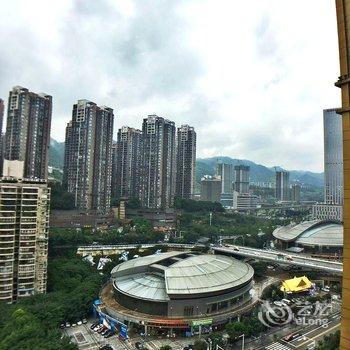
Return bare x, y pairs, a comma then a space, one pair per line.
251, 76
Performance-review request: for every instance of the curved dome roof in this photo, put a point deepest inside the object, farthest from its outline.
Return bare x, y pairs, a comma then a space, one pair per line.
206, 273
311, 233
158, 277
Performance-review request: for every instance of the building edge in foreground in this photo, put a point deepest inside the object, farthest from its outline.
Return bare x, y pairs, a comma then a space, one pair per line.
343, 18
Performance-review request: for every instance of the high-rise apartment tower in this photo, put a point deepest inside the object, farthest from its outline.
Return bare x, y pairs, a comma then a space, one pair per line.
185, 162
333, 157
87, 169
2, 136
282, 186
332, 207
296, 193
127, 163
24, 226
225, 171
28, 131
241, 184
158, 162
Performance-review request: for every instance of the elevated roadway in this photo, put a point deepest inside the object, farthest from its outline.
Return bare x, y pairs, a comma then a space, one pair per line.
272, 256
111, 249
282, 258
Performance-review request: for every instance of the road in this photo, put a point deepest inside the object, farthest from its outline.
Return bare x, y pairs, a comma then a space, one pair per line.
260, 254
110, 249
272, 256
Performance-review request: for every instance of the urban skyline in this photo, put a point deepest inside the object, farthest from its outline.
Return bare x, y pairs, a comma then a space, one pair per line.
177, 86
116, 129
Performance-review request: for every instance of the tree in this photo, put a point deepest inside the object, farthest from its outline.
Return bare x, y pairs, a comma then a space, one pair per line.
260, 268
216, 339
235, 329
190, 205
61, 199
330, 342
23, 330
200, 345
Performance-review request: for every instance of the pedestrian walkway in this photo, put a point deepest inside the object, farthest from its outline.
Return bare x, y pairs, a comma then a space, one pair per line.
277, 346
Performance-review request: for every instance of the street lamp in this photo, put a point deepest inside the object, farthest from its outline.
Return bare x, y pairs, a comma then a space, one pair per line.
209, 343
242, 340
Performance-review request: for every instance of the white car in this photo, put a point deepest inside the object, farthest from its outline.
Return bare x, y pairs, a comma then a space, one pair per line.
97, 327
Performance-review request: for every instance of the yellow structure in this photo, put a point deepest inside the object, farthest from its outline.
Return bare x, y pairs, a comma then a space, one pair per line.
343, 21
296, 285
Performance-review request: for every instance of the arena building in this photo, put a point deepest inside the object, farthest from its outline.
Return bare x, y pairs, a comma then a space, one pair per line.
324, 236
177, 290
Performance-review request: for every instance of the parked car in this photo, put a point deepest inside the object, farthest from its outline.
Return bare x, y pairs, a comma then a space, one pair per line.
291, 336
99, 326
105, 331
84, 320
103, 328
93, 325
79, 323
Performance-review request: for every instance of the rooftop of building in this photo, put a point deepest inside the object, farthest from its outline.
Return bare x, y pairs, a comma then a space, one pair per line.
312, 233
296, 284
159, 276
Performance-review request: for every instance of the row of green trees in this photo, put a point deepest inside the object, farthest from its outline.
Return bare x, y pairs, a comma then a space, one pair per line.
140, 231
192, 206
253, 231
248, 326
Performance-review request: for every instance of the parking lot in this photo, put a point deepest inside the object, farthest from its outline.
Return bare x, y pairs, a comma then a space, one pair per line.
87, 339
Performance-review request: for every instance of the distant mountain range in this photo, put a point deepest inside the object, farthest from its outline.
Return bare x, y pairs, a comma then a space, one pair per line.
207, 166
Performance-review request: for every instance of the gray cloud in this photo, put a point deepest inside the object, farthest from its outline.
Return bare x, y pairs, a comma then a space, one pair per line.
235, 72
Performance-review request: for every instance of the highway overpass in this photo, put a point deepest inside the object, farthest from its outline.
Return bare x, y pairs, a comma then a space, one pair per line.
282, 258
112, 249
272, 256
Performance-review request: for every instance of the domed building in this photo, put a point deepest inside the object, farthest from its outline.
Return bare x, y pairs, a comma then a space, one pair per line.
178, 290
314, 236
